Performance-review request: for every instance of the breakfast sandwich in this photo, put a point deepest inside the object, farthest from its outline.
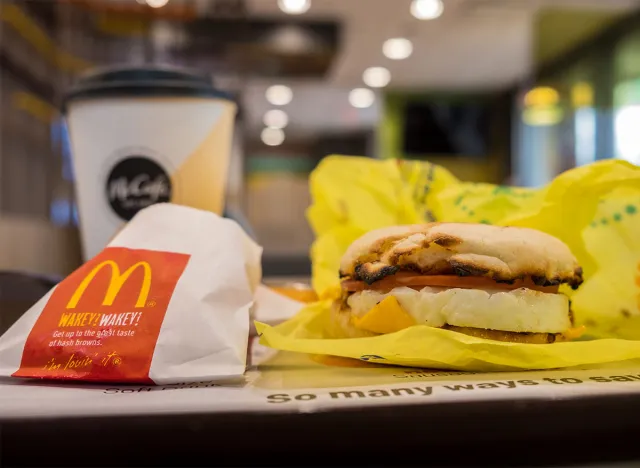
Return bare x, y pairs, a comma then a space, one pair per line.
498, 283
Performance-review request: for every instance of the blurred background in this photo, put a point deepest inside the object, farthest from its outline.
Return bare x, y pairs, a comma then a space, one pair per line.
500, 91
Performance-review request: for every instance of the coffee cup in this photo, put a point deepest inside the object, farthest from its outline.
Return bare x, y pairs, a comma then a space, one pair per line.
145, 135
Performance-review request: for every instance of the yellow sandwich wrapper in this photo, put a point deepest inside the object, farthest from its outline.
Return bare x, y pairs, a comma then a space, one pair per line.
436, 348
594, 209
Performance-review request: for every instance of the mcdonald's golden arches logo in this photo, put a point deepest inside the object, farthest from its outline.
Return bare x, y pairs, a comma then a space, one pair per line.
118, 280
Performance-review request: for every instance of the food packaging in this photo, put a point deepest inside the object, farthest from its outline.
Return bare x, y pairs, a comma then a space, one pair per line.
168, 300
272, 307
145, 134
594, 209
437, 348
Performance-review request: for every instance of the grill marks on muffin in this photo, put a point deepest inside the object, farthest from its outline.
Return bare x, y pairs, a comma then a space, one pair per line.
374, 271
389, 258
370, 268
447, 241
503, 254
468, 269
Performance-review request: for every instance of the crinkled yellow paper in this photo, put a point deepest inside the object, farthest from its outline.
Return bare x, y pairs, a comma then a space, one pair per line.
595, 209
436, 348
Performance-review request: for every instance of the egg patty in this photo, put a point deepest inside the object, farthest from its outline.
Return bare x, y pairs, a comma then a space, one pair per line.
521, 310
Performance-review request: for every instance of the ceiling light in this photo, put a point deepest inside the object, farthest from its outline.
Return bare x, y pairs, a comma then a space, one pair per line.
427, 9
276, 118
582, 95
541, 96
272, 136
157, 3
279, 95
542, 116
626, 133
294, 7
397, 48
361, 97
376, 77
292, 39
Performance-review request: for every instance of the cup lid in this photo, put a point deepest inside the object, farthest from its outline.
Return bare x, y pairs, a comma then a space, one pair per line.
139, 81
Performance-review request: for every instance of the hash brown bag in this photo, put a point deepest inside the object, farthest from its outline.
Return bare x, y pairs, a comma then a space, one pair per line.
167, 301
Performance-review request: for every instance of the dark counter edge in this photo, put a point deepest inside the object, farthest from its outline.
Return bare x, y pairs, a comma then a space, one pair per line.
498, 433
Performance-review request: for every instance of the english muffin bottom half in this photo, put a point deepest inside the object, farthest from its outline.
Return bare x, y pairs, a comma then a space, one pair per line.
498, 283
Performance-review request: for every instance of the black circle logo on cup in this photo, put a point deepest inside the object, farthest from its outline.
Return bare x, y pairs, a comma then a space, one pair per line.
136, 183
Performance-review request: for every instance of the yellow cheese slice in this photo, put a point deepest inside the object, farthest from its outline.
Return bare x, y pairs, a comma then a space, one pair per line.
574, 333
386, 317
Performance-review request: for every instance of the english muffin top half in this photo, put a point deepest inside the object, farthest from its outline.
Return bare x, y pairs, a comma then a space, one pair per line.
503, 254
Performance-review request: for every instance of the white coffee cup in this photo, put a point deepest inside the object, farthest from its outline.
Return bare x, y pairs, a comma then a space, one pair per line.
140, 136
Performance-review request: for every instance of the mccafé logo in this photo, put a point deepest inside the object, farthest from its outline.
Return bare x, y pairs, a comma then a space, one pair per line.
141, 186
135, 183
116, 282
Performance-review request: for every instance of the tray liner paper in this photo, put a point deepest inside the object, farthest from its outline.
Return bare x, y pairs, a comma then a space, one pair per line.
167, 301
292, 382
595, 209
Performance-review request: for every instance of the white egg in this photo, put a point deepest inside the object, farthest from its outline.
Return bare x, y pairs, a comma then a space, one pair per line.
520, 310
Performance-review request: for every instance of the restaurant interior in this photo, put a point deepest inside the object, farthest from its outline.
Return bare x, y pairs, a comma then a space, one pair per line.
485, 94
498, 91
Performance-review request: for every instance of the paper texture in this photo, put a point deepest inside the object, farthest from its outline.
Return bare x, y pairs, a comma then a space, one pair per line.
273, 308
167, 301
289, 382
423, 346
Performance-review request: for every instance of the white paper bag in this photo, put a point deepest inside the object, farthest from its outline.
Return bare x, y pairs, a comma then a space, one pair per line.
167, 301
273, 308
